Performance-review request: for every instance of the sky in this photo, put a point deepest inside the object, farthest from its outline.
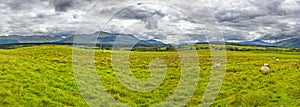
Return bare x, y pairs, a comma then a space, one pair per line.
235, 20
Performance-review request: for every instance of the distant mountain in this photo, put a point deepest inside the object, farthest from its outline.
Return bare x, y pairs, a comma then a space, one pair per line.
126, 39
293, 42
256, 42
8, 41
13, 39
111, 38
151, 43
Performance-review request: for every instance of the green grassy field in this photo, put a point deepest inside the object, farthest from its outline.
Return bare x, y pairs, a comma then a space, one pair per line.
43, 76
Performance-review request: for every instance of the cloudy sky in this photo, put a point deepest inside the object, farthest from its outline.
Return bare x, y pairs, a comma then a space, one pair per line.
236, 20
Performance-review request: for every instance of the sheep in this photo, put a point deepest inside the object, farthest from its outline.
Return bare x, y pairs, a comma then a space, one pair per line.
277, 60
217, 65
265, 68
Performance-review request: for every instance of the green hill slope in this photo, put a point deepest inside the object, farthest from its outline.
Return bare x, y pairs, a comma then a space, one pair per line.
43, 76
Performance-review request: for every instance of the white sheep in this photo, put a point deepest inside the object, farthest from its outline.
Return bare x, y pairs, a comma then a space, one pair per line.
265, 68
277, 60
217, 65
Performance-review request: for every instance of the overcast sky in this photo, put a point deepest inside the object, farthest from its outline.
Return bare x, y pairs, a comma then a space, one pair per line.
238, 20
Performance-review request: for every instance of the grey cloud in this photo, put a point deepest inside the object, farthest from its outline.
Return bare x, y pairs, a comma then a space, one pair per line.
28, 17
279, 36
269, 6
65, 5
107, 10
270, 19
233, 37
239, 18
147, 15
62, 5
236, 16
133, 12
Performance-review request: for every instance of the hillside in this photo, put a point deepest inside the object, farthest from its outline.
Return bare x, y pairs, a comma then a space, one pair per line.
294, 42
256, 42
43, 76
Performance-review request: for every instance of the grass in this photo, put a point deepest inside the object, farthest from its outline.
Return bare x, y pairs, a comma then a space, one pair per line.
43, 76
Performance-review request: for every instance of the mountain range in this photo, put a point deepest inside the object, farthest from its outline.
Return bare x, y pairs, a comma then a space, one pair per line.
292, 42
112, 38
109, 38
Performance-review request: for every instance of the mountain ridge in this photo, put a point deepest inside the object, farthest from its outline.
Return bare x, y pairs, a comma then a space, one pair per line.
110, 38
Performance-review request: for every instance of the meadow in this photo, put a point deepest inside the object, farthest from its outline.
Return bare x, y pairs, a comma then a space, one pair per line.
43, 76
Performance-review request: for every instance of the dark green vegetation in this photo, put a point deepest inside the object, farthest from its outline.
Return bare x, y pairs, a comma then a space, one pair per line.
43, 76
229, 47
